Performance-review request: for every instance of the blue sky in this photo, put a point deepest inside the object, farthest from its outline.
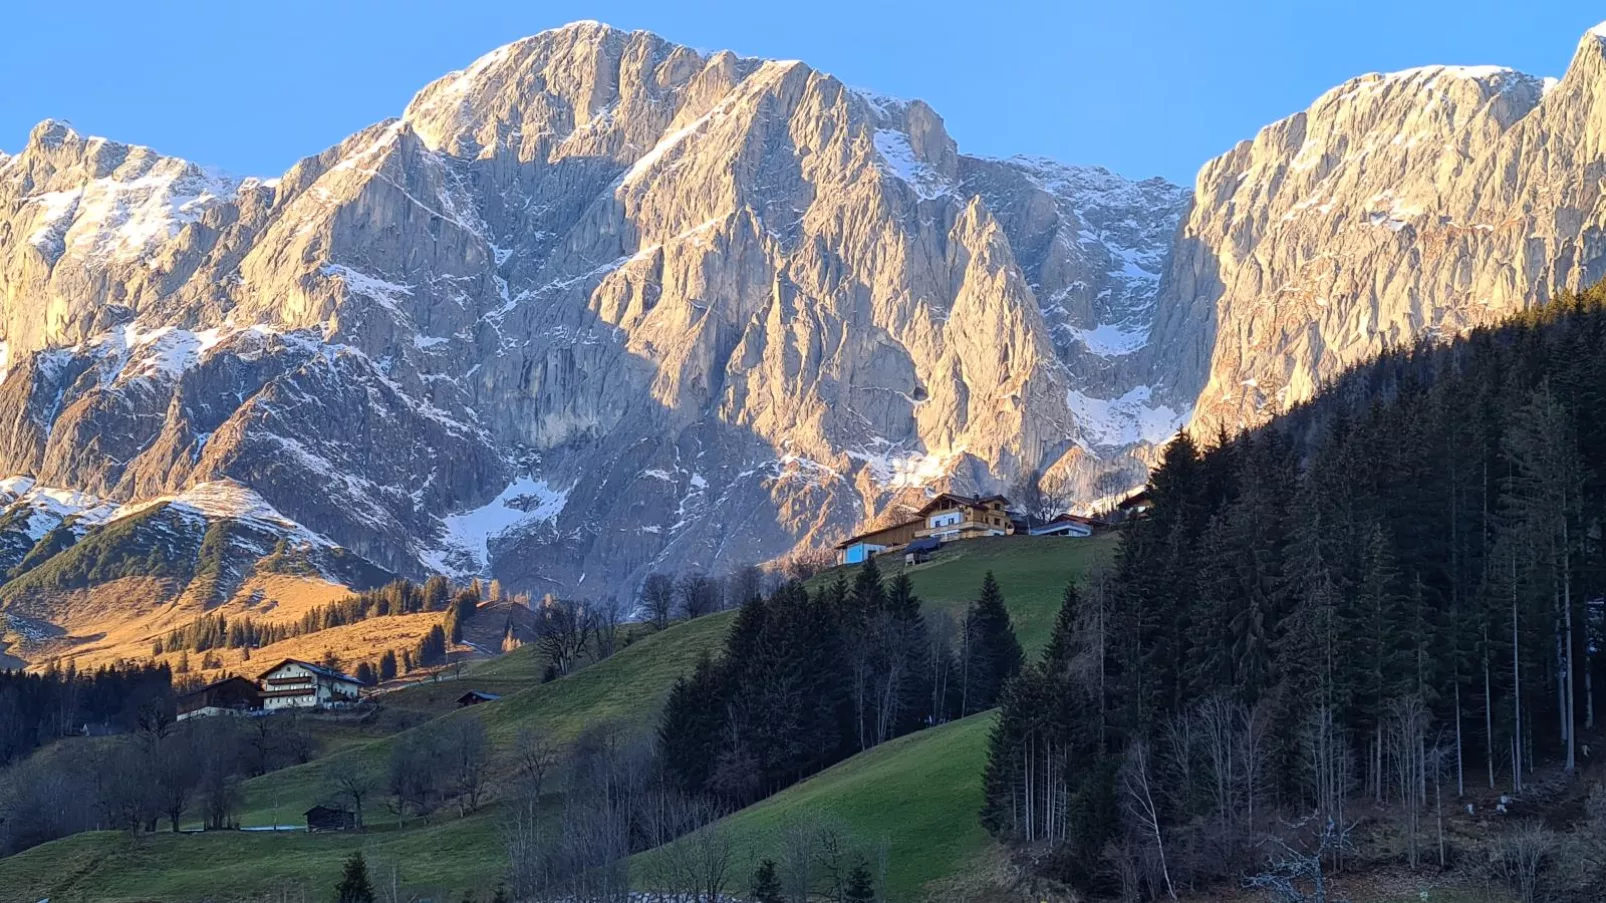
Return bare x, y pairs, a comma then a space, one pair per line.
1143, 87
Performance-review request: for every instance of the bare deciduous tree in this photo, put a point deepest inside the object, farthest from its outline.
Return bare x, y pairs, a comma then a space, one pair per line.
469, 752
1519, 856
350, 782
1138, 797
699, 594
534, 758
1298, 875
658, 599
564, 629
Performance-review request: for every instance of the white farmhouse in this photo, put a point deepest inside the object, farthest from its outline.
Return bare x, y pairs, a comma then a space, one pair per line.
295, 684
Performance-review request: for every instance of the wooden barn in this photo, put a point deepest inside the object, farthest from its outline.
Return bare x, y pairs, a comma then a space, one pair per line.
229, 696
330, 818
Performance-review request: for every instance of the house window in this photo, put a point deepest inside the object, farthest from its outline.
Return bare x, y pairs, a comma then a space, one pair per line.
944, 520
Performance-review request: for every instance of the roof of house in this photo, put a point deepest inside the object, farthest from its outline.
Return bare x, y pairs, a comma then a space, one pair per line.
220, 683
319, 670
924, 544
480, 695
1141, 497
321, 808
858, 538
966, 500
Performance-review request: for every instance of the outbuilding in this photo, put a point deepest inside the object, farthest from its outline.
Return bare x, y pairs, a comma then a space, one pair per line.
229, 696
330, 818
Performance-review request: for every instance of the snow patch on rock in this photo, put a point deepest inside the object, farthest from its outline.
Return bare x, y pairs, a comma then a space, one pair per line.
1124, 421
49, 506
227, 500
893, 467
900, 161
525, 502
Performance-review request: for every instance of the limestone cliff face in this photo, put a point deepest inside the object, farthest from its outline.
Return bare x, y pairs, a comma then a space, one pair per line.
1419, 203
600, 304
594, 305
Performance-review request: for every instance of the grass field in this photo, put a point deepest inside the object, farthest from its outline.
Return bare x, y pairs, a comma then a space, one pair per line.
438, 861
917, 795
1031, 570
628, 688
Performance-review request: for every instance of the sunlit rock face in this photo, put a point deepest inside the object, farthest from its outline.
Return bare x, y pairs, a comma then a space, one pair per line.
596, 304
600, 304
1419, 203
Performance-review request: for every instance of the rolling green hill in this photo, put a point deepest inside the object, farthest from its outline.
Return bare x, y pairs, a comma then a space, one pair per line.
628, 688
1031, 570
919, 794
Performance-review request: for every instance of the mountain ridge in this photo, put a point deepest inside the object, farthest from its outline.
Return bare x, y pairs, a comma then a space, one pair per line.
549, 177
663, 309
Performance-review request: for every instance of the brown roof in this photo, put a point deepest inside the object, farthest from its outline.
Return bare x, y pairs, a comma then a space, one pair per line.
966, 500
319, 670
218, 684
1141, 497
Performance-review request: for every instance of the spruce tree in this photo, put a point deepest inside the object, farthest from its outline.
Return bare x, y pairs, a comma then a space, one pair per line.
860, 886
354, 886
993, 653
766, 883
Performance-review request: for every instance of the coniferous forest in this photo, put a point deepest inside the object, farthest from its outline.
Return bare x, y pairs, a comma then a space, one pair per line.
809, 679
1381, 606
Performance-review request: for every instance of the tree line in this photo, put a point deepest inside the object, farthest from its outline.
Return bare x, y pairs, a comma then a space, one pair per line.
1392, 594
399, 597
807, 679
59, 702
159, 775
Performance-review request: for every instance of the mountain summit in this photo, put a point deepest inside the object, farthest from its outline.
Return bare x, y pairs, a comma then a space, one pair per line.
595, 305
599, 304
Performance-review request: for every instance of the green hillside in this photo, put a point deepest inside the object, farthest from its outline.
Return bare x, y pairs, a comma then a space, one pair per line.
919, 794
628, 688
1031, 570
438, 860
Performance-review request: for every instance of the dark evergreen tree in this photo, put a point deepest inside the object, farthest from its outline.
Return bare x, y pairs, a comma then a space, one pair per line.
354, 886
766, 883
992, 654
860, 884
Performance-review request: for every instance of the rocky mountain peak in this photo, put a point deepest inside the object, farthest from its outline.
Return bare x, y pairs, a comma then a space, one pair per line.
1397, 206
597, 304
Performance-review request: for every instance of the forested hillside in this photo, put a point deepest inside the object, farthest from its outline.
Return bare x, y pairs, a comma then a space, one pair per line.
1334, 635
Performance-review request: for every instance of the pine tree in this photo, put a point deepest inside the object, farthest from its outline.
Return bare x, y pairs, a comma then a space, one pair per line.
354, 886
993, 654
691, 727
766, 883
860, 886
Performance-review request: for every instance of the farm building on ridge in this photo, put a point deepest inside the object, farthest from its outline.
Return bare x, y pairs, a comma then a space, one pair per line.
302, 685
229, 696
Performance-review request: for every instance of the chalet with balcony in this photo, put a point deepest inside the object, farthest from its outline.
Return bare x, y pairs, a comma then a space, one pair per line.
950, 517
295, 684
946, 518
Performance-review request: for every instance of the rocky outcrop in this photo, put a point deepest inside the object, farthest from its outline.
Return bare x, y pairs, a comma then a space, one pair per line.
1400, 206
595, 305
600, 304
